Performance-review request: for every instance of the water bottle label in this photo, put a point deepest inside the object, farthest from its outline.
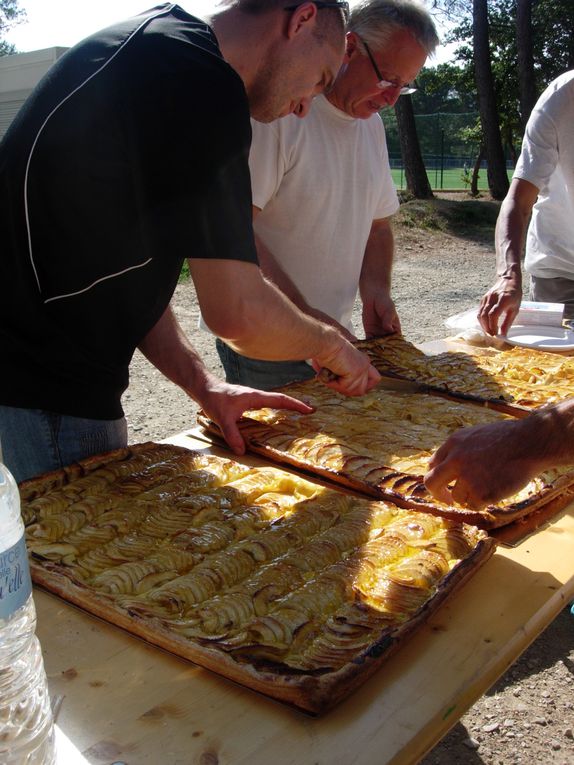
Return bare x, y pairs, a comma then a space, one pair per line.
15, 582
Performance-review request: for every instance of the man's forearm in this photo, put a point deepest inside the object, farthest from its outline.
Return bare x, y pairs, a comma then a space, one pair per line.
376, 271
550, 434
509, 239
257, 319
511, 227
168, 349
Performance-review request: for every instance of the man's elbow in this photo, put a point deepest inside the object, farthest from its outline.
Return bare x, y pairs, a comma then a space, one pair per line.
233, 324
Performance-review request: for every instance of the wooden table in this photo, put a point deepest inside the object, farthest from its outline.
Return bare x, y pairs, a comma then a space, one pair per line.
126, 702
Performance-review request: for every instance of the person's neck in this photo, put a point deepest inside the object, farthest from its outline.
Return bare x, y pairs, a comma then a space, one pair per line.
244, 39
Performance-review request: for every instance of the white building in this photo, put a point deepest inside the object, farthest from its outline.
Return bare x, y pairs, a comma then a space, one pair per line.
19, 75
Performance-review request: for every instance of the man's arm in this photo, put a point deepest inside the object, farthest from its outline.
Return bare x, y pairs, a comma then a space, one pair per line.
379, 312
489, 462
256, 319
500, 305
272, 270
169, 350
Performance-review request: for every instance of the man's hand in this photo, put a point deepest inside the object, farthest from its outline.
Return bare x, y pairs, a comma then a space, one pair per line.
486, 463
225, 404
353, 373
500, 305
380, 316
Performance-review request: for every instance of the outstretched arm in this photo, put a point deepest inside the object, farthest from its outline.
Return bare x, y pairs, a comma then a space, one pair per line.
168, 349
256, 319
481, 465
500, 305
379, 313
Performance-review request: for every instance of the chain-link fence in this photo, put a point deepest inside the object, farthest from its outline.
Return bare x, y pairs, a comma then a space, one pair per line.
449, 145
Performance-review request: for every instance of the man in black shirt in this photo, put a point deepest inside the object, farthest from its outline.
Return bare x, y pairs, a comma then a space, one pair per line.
130, 156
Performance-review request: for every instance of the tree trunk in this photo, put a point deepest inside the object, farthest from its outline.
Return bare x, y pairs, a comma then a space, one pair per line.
415, 172
496, 164
475, 169
525, 48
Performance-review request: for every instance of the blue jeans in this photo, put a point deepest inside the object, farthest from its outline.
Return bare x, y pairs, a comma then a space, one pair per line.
34, 441
554, 290
264, 375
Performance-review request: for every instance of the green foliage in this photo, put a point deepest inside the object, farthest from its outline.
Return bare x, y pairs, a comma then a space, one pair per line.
10, 15
184, 275
552, 24
440, 134
6, 48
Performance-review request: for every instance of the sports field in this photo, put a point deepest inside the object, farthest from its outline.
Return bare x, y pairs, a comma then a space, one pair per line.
451, 178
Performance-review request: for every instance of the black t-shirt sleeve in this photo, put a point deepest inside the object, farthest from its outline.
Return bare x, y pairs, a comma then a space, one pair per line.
189, 121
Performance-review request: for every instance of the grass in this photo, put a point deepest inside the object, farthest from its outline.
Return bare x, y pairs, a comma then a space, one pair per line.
465, 216
450, 178
184, 275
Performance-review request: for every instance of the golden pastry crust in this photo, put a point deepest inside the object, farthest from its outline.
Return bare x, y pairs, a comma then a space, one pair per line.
380, 444
291, 588
518, 378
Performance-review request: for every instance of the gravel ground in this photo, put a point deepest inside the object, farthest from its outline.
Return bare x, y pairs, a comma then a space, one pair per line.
528, 715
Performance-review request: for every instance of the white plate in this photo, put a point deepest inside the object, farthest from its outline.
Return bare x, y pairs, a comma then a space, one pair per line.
542, 338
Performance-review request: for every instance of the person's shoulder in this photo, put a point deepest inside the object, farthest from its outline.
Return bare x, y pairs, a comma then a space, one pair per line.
284, 129
558, 95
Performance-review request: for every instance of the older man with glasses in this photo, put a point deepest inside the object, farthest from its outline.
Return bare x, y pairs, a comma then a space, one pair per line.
128, 158
323, 194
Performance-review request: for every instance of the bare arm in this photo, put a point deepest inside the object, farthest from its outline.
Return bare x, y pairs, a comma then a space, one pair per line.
379, 312
272, 270
168, 349
255, 318
489, 462
499, 306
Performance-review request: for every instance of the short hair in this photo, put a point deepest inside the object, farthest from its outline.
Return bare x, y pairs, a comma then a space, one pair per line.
331, 26
375, 21
262, 6
331, 23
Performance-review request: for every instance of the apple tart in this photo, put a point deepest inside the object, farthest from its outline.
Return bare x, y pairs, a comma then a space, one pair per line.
291, 588
515, 380
380, 444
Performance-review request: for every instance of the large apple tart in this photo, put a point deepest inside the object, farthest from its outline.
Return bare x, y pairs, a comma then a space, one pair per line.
284, 585
515, 379
380, 444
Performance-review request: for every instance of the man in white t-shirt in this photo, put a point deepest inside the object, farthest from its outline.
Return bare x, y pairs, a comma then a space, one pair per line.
542, 186
323, 194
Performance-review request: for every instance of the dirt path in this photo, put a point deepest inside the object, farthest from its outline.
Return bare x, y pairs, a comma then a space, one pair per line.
528, 716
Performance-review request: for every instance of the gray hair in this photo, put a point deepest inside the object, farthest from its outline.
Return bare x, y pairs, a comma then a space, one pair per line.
375, 21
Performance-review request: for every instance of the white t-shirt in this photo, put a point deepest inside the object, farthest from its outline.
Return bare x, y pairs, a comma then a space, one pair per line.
320, 182
547, 161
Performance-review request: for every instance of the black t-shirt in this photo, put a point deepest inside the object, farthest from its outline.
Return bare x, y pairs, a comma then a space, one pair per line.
129, 156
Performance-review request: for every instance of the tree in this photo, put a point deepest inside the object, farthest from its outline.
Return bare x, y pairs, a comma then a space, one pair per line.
525, 50
10, 15
552, 22
415, 172
496, 163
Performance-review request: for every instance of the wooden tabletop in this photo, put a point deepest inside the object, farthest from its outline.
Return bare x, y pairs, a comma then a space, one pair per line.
122, 701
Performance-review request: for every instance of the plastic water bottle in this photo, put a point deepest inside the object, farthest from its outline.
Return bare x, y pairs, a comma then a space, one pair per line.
26, 726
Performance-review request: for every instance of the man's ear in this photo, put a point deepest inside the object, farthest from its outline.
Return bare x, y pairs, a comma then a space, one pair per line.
301, 19
352, 46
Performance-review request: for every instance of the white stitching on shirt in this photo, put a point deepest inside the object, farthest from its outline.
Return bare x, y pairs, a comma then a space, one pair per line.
97, 281
43, 125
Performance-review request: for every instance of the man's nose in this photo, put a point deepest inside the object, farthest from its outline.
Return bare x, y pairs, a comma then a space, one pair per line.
302, 108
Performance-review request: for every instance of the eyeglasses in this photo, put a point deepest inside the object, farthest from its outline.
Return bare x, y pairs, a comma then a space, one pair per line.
382, 84
342, 4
